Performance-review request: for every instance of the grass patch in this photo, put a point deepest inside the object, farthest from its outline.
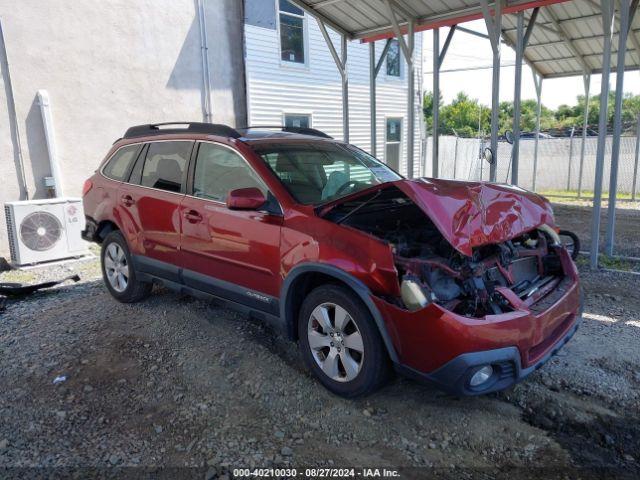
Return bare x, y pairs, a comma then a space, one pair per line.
582, 261
585, 194
615, 263
18, 276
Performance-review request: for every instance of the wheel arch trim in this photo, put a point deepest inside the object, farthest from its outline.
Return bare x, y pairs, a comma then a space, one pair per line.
358, 287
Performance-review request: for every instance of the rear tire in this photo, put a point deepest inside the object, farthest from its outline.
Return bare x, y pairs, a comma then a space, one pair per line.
118, 272
340, 342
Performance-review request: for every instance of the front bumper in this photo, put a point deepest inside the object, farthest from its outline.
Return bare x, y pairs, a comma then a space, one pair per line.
444, 348
454, 376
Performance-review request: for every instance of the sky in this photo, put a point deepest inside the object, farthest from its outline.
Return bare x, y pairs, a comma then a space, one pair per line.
468, 51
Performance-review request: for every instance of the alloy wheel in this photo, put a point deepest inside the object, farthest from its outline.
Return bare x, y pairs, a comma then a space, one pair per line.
116, 267
335, 342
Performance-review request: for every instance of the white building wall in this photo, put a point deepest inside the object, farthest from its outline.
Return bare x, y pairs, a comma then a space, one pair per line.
275, 88
108, 65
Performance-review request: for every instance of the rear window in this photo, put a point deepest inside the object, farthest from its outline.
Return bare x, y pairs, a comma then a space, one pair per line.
165, 165
118, 166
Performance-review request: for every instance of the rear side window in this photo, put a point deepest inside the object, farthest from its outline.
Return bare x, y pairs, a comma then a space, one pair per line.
220, 170
165, 165
118, 166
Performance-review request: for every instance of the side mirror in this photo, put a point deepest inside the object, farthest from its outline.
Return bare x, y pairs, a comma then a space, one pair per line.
245, 199
508, 136
488, 155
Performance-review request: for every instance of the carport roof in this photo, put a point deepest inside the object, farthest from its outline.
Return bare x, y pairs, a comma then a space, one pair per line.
567, 39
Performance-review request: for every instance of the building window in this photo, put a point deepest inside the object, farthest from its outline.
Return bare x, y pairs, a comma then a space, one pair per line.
393, 59
393, 143
297, 121
291, 33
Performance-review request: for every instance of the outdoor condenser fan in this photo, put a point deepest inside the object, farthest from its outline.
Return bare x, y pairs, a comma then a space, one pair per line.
45, 230
40, 231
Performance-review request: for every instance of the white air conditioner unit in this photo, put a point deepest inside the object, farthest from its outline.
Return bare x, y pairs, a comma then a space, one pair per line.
45, 230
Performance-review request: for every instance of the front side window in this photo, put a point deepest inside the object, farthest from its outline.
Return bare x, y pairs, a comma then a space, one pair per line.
297, 121
165, 165
318, 172
220, 170
118, 166
291, 33
393, 59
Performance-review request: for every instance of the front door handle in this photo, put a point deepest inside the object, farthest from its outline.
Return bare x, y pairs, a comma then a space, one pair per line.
192, 216
127, 200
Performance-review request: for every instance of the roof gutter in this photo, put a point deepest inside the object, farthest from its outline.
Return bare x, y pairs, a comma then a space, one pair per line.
448, 19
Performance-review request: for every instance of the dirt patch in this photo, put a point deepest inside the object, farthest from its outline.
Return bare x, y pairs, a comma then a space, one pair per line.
178, 383
578, 216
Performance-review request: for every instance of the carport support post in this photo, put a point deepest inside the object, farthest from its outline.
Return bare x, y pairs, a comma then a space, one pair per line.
625, 15
438, 58
435, 104
607, 26
517, 93
537, 80
345, 91
341, 63
635, 164
372, 97
494, 28
374, 69
587, 83
407, 49
411, 94
521, 44
573, 131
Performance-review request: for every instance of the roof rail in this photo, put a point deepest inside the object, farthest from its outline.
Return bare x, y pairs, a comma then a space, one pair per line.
181, 127
301, 130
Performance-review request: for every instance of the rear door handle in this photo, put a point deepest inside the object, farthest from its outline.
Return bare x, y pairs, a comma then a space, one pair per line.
127, 200
192, 216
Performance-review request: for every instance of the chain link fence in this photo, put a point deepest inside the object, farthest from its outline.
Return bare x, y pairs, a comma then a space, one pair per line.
561, 168
562, 173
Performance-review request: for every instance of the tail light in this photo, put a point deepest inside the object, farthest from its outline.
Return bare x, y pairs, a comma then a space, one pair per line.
88, 185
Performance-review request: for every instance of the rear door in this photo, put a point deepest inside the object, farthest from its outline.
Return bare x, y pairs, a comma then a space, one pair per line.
150, 205
230, 253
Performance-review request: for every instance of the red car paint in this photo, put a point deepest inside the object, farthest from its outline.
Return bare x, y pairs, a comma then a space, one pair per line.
431, 337
472, 214
257, 250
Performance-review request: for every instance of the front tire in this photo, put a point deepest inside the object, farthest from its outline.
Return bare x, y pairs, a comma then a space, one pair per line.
340, 342
118, 273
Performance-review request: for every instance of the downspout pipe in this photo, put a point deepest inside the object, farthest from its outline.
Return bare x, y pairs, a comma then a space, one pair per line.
49, 134
206, 75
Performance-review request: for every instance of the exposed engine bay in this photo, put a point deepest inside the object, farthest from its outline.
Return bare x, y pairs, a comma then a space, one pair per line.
430, 270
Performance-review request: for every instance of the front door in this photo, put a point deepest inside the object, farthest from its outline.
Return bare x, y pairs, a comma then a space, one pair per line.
151, 206
229, 253
393, 143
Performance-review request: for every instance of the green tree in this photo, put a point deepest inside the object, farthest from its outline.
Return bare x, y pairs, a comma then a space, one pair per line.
528, 116
427, 108
464, 116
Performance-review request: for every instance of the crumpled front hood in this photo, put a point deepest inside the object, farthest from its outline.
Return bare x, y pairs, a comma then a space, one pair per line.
472, 214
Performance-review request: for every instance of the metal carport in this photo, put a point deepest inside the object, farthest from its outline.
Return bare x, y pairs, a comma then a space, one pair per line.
556, 38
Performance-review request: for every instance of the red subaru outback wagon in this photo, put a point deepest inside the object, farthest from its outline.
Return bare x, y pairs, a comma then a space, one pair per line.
463, 284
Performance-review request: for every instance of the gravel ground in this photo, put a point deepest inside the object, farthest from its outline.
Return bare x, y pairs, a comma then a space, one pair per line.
176, 382
576, 215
